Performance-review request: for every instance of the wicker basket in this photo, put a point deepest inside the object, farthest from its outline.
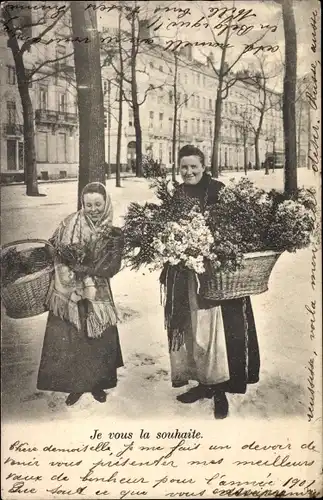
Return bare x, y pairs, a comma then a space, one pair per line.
251, 279
26, 296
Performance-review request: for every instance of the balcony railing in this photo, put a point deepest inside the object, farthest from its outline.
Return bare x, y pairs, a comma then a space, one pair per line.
57, 117
15, 129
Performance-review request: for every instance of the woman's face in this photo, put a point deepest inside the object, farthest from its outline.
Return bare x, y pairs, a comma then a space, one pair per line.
191, 169
94, 205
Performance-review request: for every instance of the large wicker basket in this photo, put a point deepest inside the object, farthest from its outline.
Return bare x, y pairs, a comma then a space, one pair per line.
251, 279
26, 296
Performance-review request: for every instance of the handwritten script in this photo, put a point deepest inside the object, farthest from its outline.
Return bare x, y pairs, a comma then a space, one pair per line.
160, 464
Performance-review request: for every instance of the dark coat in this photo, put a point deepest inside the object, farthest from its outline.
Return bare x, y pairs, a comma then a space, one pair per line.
238, 318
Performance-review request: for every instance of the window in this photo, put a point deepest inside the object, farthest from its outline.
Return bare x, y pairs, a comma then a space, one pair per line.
193, 125
204, 80
21, 155
170, 97
179, 97
198, 122
210, 127
61, 103
161, 119
203, 127
197, 101
130, 117
161, 151
198, 78
170, 124
170, 155
160, 97
61, 150
210, 103
185, 127
151, 119
105, 118
43, 98
186, 100
42, 147
60, 51
11, 112
226, 107
11, 75
185, 77
11, 154
204, 103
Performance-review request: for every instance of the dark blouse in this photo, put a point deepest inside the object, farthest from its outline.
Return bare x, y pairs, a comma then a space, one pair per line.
206, 191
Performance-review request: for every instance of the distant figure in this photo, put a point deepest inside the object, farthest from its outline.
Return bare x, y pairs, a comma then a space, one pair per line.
265, 165
250, 165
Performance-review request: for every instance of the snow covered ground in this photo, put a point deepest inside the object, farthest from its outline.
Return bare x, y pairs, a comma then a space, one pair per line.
144, 390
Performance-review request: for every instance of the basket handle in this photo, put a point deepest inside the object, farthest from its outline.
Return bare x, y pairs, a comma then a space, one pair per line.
33, 240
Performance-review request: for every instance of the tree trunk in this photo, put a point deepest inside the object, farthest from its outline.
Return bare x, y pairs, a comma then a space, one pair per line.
245, 154
257, 159
134, 98
217, 132
89, 96
299, 133
30, 163
174, 121
118, 165
290, 181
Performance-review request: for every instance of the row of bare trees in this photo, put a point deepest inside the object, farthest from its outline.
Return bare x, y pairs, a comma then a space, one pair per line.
123, 58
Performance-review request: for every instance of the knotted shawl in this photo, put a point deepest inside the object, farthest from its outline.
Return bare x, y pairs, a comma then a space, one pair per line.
68, 287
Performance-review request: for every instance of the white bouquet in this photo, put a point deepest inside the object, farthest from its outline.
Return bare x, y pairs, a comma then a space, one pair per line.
186, 242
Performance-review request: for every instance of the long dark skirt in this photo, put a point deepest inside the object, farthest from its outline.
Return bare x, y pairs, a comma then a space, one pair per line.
72, 362
242, 345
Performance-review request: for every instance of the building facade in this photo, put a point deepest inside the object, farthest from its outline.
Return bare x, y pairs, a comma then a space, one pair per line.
164, 81
54, 106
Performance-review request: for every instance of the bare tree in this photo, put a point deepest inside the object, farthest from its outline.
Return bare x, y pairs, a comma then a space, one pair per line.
290, 181
245, 130
19, 42
128, 46
119, 137
89, 94
261, 99
226, 78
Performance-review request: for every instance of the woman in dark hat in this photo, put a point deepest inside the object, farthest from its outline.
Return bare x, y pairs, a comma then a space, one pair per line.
212, 343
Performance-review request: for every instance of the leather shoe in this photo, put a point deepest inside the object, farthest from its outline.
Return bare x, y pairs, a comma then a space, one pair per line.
99, 396
221, 405
72, 398
195, 393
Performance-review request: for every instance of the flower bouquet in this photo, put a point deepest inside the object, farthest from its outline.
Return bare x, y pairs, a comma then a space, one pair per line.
102, 252
232, 246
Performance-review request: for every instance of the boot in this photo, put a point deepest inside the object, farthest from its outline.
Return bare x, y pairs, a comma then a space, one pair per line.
195, 393
221, 405
99, 395
72, 398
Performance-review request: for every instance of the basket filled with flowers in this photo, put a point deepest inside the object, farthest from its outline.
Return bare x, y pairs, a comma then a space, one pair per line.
26, 273
231, 247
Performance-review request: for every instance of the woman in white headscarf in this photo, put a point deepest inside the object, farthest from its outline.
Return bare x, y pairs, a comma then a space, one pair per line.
81, 350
